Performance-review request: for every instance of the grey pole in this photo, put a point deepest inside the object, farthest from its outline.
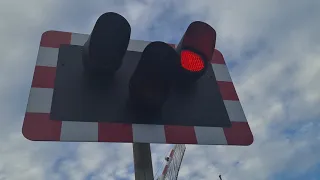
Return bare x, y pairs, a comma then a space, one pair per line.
142, 161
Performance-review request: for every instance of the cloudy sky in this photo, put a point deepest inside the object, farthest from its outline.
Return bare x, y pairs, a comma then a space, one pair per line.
272, 49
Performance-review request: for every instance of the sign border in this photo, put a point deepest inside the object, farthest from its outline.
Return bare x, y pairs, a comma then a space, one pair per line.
37, 125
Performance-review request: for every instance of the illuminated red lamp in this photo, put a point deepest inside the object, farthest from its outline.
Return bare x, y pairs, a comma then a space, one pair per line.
191, 61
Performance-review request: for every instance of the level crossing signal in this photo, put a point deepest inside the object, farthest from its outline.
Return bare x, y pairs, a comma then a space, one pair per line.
105, 80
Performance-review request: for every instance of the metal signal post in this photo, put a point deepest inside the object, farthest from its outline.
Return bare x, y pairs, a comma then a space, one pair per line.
142, 161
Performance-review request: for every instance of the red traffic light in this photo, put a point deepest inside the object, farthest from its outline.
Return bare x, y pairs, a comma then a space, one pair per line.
191, 61
154, 76
195, 49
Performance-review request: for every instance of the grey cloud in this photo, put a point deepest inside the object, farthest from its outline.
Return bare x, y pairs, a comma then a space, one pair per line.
277, 84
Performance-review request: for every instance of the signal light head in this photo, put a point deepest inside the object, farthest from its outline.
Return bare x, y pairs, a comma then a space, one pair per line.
154, 76
196, 49
104, 50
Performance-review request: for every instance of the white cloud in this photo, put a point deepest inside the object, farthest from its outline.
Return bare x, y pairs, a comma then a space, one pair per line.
272, 48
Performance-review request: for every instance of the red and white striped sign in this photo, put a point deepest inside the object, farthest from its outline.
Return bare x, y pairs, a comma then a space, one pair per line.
37, 125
